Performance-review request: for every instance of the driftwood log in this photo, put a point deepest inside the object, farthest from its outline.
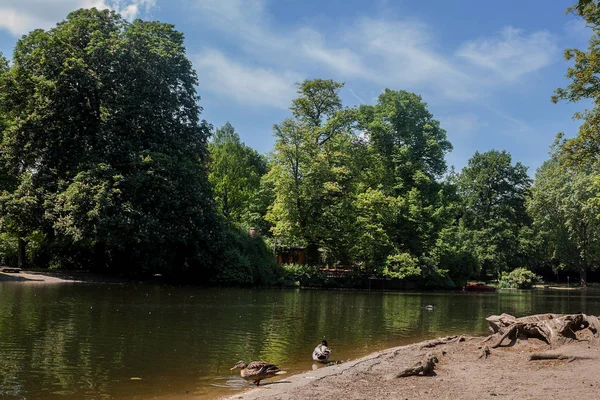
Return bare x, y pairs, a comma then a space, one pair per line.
424, 367
554, 329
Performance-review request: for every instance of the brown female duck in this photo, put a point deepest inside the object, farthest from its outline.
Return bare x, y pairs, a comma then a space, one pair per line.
257, 370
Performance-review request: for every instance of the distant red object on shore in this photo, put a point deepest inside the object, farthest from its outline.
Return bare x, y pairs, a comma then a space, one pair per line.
478, 287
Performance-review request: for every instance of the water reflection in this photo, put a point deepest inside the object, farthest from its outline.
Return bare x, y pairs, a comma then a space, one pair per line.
77, 341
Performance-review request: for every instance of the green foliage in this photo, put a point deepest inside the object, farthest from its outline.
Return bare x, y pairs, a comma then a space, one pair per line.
410, 143
454, 255
375, 213
318, 100
312, 172
303, 275
100, 122
246, 261
583, 73
104, 162
401, 266
493, 193
519, 278
564, 207
235, 174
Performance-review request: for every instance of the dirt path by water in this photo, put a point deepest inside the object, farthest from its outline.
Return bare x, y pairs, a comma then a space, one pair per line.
461, 374
50, 277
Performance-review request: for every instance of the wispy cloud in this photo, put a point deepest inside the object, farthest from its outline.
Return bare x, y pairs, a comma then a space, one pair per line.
357, 97
341, 60
244, 84
460, 125
21, 16
518, 126
399, 52
512, 54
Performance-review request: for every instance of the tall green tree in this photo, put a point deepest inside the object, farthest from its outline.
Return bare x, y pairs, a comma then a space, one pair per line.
235, 174
410, 141
563, 209
584, 75
311, 171
493, 191
409, 147
103, 116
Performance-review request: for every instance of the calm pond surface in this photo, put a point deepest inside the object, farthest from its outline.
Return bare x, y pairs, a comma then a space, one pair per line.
83, 341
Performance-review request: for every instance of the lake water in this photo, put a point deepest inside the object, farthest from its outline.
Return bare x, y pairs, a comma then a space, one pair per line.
83, 341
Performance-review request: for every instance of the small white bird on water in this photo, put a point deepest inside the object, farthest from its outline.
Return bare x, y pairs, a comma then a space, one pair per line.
321, 352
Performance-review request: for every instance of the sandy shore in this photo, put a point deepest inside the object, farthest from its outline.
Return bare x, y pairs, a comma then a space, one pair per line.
50, 277
461, 374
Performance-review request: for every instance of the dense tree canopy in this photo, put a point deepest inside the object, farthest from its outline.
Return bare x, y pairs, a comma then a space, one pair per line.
235, 173
493, 191
564, 210
105, 163
409, 141
101, 124
584, 73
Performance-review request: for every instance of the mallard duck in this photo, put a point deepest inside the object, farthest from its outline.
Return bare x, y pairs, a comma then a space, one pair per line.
257, 370
321, 352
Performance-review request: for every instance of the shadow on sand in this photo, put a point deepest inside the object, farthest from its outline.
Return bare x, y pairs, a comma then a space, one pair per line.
271, 383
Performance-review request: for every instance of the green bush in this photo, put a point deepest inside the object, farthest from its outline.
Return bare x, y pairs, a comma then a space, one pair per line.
520, 278
303, 275
401, 266
246, 261
432, 276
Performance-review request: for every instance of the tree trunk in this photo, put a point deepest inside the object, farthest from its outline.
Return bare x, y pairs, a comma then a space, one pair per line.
21, 253
484, 271
583, 277
99, 262
312, 254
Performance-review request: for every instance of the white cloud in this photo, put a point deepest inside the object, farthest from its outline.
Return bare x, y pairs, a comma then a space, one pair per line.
517, 126
245, 84
396, 53
461, 125
243, 19
22, 16
402, 54
342, 60
513, 54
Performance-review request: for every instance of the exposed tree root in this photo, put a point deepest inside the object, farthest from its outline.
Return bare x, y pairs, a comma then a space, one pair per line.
554, 329
446, 340
484, 353
424, 367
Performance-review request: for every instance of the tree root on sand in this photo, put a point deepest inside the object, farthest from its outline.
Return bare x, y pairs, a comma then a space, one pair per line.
554, 329
424, 367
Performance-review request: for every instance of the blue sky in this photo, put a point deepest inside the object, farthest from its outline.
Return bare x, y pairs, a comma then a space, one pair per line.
486, 69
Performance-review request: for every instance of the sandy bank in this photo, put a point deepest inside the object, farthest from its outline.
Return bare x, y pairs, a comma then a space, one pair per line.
54, 277
461, 374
